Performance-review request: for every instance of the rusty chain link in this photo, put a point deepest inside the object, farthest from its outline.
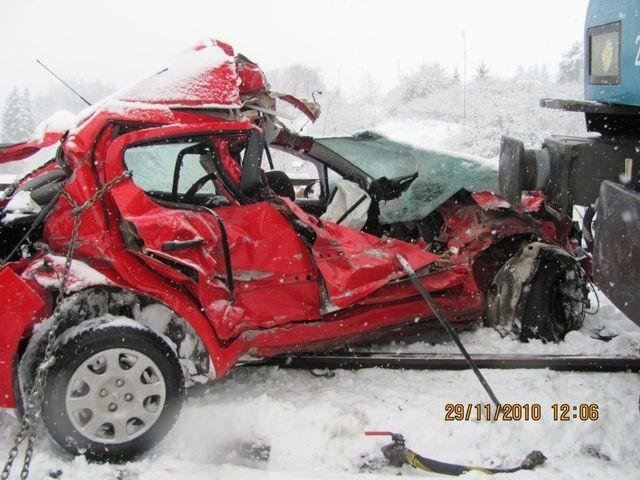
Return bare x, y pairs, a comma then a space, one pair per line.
9, 190
27, 430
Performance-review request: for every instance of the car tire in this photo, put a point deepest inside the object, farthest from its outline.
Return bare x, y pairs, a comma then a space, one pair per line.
100, 401
548, 314
539, 293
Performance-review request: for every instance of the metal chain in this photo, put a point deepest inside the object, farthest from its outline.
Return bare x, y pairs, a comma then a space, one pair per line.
10, 190
27, 430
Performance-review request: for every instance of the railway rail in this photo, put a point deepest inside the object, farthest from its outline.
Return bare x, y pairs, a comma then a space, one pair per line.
447, 361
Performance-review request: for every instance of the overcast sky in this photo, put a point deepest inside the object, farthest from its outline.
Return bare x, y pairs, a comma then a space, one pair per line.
119, 41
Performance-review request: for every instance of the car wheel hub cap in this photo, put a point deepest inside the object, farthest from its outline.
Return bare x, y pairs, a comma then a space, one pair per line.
115, 396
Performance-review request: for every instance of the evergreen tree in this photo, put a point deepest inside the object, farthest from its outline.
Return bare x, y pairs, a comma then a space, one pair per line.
17, 120
482, 72
570, 67
27, 112
10, 112
543, 74
426, 79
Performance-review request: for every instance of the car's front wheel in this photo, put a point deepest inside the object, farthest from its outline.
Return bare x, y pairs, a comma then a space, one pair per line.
114, 391
540, 293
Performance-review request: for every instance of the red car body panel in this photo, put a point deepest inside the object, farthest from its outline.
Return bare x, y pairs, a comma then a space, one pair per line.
29, 307
354, 264
288, 293
24, 150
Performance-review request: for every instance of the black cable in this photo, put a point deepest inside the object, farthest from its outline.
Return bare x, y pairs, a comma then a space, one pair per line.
447, 326
397, 454
63, 82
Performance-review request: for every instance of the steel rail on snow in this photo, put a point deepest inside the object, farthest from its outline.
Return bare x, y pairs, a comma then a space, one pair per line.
451, 361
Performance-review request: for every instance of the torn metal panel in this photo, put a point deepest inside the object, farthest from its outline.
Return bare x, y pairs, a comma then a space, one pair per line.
20, 151
310, 109
354, 264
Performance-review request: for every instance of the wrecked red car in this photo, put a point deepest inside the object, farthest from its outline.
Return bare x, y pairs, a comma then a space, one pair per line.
206, 234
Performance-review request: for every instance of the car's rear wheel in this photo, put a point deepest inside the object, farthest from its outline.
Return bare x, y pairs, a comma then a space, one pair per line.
113, 392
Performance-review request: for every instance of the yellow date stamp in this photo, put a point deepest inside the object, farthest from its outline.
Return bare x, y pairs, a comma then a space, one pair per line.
519, 412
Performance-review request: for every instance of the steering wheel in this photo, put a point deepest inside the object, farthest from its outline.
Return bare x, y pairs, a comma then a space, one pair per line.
197, 186
385, 188
309, 190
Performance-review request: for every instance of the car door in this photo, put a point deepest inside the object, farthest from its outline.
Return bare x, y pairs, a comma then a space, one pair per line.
245, 262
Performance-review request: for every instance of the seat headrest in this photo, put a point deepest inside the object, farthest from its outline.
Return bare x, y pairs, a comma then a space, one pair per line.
281, 184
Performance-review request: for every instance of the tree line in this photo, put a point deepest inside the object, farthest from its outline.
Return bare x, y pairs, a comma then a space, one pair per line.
21, 113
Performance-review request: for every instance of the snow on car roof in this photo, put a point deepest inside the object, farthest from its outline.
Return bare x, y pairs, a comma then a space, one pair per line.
203, 77
60, 121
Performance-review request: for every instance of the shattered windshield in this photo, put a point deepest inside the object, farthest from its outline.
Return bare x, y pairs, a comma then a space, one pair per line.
440, 173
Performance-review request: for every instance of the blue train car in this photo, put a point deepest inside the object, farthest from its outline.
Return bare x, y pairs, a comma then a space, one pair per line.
600, 172
612, 52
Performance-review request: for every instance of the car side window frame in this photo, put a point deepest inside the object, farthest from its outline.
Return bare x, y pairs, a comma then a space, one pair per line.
231, 194
319, 166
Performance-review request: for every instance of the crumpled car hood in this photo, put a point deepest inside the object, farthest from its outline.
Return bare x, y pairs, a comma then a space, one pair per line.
353, 263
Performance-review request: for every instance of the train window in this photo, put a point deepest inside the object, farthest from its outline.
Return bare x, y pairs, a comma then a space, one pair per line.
604, 54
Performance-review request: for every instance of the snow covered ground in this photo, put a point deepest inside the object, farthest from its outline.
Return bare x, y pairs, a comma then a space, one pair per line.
313, 426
